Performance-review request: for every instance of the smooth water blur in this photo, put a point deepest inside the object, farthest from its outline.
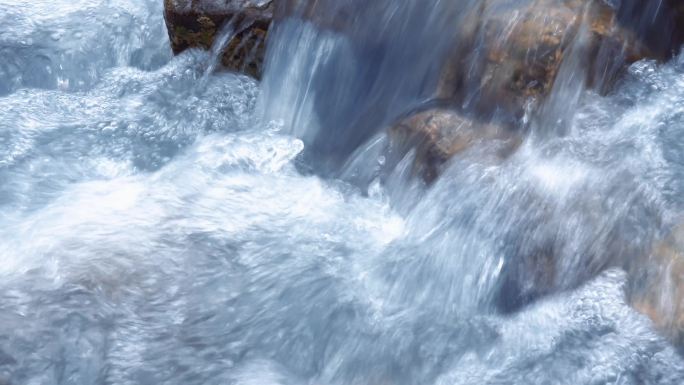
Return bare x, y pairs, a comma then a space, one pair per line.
335, 90
155, 229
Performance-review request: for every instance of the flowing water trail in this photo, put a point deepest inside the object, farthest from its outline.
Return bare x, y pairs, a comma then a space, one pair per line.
159, 224
228, 31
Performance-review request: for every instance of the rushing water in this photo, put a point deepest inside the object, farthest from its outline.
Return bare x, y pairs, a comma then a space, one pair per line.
155, 228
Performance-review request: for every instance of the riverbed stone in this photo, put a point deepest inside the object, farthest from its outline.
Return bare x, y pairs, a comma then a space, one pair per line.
196, 23
657, 287
439, 133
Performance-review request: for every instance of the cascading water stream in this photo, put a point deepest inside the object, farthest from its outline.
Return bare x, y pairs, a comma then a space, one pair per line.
227, 32
163, 222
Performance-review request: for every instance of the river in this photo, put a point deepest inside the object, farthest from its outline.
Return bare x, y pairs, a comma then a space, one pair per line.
161, 224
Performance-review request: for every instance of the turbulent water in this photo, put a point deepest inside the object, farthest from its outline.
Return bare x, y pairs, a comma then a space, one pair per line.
161, 227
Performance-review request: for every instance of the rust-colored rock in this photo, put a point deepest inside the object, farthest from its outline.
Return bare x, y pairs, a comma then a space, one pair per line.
441, 133
658, 286
195, 23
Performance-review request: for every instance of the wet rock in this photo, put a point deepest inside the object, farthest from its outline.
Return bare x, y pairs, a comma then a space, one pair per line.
440, 133
509, 55
514, 52
659, 24
334, 15
196, 23
657, 287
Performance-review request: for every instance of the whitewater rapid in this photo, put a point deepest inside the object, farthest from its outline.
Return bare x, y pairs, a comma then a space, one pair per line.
158, 229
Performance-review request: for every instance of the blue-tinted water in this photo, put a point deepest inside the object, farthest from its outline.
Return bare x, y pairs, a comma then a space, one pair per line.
157, 229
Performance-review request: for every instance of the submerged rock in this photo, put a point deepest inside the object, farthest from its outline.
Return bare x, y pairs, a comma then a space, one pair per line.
196, 23
440, 133
658, 286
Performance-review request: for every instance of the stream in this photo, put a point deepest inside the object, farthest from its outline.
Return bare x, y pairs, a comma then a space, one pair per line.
163, 223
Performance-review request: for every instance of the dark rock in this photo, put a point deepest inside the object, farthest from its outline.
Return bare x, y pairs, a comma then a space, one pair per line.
659, 24
196, 23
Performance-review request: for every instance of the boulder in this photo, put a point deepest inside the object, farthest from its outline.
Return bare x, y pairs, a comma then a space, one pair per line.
512, 55
196, 23
439, 133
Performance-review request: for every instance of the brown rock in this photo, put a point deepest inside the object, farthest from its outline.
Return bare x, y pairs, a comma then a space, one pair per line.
195, 23
517, 51
440, 133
